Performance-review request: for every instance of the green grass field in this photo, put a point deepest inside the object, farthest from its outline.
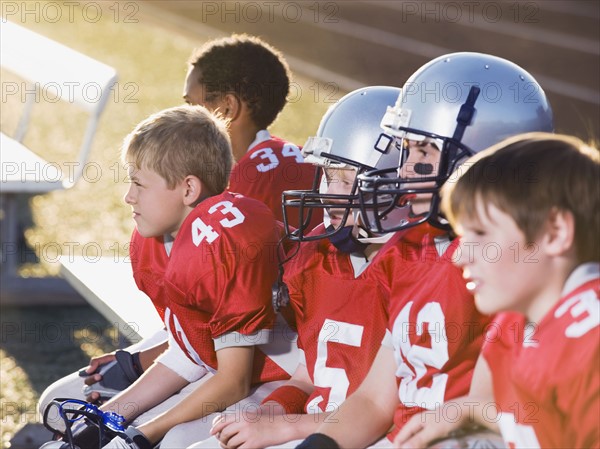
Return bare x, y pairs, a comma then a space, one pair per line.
91, 218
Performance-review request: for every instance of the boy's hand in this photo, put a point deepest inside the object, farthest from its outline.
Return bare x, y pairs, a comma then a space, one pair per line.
246, 431
97, 362
423, 428
110, 374
92, 376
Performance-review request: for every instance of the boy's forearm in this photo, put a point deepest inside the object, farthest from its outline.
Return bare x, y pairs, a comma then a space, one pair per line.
477, 410
214, 395
374, 422
295, 427
149, 355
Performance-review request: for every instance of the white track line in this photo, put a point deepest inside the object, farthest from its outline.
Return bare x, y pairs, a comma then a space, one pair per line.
429, 51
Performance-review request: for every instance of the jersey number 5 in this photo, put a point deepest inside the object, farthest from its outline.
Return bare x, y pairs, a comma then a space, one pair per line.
336, 332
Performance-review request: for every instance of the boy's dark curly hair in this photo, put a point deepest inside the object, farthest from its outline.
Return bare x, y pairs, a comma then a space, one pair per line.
249, 67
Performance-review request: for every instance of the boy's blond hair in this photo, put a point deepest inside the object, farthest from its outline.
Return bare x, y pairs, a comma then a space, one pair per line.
527, 177
182, 141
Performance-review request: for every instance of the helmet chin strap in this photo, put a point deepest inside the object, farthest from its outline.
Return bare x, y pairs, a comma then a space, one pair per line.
355, 239
345, 241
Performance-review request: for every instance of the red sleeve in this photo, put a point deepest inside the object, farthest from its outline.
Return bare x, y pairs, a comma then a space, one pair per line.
576, 373
580, 399
149, 262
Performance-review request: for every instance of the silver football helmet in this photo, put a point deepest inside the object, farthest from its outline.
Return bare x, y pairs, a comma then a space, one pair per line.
462, 103
345, 140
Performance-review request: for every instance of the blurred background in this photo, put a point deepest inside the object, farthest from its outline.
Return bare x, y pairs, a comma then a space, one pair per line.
332, 48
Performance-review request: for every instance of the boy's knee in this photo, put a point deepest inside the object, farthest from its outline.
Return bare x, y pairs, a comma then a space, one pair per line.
70, 386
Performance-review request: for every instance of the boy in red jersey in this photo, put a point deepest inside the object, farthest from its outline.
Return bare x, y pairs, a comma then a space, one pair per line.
541, 363
338, 309
435, 332
216, 287
247, 81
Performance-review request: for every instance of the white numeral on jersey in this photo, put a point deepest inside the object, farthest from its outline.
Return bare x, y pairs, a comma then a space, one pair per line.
227, 207
334, 378
201, 230
585, 310
413, 366
267, 154
291, 150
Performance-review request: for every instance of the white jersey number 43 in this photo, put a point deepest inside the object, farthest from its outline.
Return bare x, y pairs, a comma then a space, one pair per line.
232, 217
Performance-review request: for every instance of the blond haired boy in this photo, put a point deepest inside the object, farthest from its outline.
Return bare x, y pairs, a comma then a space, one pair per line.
214, 294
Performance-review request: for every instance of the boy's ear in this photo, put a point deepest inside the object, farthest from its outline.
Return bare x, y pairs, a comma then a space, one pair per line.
193, 189
560, 232
233, 107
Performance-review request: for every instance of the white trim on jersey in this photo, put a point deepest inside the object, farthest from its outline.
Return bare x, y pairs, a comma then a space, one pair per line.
283, 348
388, 340
442, 243
168, 243
235, 339
279, 344
178, 362
582, 274
262, 136
359, 263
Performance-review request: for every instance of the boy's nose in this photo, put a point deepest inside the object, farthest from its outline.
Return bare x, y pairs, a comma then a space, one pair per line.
128, 198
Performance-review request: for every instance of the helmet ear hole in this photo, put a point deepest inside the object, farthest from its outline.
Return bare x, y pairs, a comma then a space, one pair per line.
383, 143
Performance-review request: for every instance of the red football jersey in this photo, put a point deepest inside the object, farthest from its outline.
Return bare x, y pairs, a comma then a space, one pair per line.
271, 166
149, 260
546, 375
217, 283
340, 319
436, 331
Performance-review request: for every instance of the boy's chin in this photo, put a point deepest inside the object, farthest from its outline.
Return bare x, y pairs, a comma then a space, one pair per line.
486, 306
146, 233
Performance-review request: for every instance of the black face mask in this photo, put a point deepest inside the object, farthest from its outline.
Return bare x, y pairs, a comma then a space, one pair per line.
344, 241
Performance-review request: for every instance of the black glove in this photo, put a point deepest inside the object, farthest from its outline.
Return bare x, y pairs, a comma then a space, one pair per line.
116, 375
318, 441
125, 372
